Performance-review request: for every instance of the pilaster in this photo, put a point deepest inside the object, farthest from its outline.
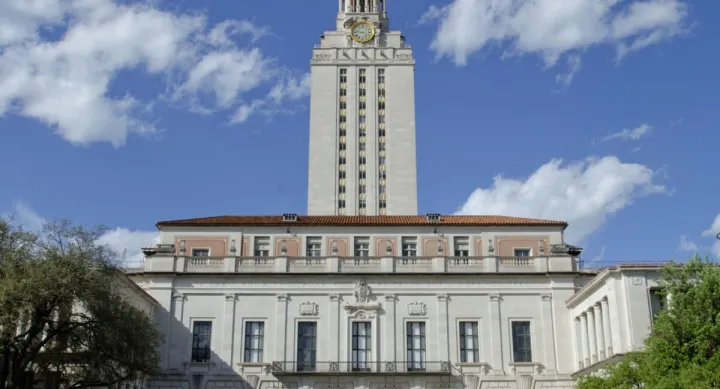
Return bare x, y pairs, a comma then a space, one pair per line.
584, 339
177, 353
442, 325
280, 327
228, 330
497, 367
592, 339
333, 350
550, 361
390, 350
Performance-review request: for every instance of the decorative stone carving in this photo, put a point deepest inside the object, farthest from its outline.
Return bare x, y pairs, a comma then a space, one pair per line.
417, 308
283, 247
637, 280
388, 248
541, 247
182, 247
281, 298
334, 248
440, 248
546, 297
491, 249
233, 250
309, 308
362, 292
442, 297
495, 297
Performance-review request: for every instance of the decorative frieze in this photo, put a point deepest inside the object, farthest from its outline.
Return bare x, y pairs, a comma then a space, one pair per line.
309, 308
417, 308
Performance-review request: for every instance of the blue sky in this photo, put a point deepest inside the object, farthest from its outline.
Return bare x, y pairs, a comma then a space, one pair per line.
601, 113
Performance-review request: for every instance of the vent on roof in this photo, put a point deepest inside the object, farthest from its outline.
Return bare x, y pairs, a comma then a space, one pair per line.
290, 217
433, 217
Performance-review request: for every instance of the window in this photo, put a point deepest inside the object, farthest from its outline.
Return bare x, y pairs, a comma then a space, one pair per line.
362, 204
383, 174
381, 76
383, 204
341, 174
658, 302
522, 349
381, 160
522, 252
469, 348
362, 146
200, 252
381, 132
341, 189
342, 161
343, 146
361, 189
362, 247
262, 246
341, 203
415, 346
409, 247
462, 247
254, 336
363, 160
381, 189
361, 346
381, 146
306, 346
314, 247
202, 331
362, 174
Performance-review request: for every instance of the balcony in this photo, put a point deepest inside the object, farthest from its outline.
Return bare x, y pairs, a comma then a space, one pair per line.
356, 368
165, 263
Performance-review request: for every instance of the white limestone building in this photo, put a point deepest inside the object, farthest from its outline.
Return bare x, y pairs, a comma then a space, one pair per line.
362, 293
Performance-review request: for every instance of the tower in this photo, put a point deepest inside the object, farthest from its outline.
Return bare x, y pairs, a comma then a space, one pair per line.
362, 117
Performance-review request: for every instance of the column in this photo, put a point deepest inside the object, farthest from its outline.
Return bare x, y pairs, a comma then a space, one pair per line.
548, 335
584, 340
333, 350
177, 352
599, 331
592, 340
228, 331
280, 327
388, 353
496, 341
607, 333
442, 325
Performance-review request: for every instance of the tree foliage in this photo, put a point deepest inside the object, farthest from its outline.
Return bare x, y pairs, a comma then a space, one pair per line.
65, 313
683, 350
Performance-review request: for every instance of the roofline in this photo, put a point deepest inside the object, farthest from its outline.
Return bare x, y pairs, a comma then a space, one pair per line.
281, 223
126, 277
604, 274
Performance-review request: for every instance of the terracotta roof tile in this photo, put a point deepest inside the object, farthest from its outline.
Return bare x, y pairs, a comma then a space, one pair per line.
454, 220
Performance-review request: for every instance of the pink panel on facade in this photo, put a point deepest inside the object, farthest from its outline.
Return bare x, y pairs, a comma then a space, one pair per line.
430, 246
341, 244
381, 246
478, 247
245, 249
217, 246
507, 245
292, 245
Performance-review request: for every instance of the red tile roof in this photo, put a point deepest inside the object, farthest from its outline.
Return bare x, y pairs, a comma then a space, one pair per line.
454, 220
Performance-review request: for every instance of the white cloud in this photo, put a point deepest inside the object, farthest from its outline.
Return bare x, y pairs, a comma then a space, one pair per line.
714, 232
59, 59
126, 243
289, 88
574, 63
687, 245
581, 193
552, 28
630, 134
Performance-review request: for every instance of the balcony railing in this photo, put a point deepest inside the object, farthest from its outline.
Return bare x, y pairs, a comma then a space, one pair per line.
351, 368
385, 264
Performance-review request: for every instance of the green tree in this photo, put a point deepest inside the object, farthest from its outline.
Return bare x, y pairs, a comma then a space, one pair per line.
683, 350
65, 314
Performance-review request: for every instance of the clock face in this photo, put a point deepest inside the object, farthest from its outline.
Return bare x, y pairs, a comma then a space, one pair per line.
362, 32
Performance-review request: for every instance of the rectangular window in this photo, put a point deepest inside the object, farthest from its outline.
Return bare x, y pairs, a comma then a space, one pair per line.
314, 246
381, 132
381, 189
381, 119
416, 346
343, 132
341, 189
522, 252
522, 348
382, 174
341, 174
383, 204
254, 337
462, 246
381, 76
342, 147
658, 302
361, 346
202, 333
362, 174
362, 247
200, 252
381, 146
341, 203
342, 161
362, 204
409, 247
306, 346
381, 105
469, 347
262, 246
363, 160
362, 146
361, 189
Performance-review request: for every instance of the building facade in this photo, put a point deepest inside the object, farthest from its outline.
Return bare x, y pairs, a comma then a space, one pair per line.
362, 293
362, 117
386, 302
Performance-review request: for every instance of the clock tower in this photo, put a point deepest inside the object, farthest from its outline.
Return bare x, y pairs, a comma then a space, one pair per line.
362, 117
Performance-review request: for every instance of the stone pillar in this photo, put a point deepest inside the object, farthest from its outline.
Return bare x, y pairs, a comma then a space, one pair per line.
599, 331
388, 353
607, 333
280, 327
584, 339
442, 325
548, 335
228, 330
333, 350
177, 352
496, 341
592, 339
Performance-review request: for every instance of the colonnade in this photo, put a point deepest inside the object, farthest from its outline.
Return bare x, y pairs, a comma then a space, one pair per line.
595, 334
361, 5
